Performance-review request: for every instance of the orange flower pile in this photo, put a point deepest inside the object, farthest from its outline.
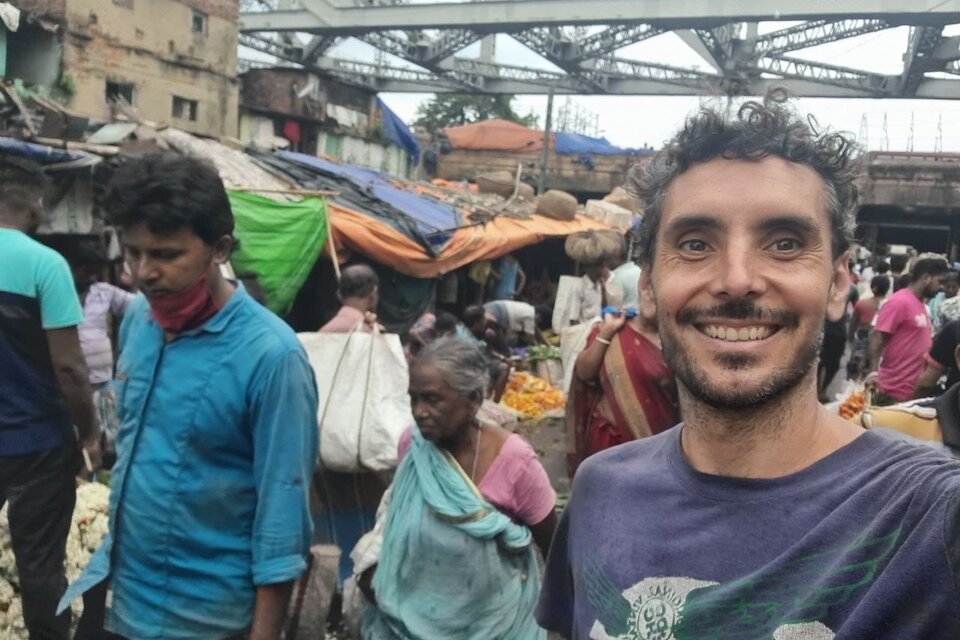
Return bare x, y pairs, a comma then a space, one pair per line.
853, 405
531, 395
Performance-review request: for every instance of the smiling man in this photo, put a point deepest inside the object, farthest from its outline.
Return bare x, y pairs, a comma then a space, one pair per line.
209, 515
763, 515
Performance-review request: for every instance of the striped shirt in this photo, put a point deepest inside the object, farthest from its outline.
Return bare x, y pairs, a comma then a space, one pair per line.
101, 301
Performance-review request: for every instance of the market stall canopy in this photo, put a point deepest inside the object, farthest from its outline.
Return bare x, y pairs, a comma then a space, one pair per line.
279, 241
488, 241
236, 169
424, 221
494, 135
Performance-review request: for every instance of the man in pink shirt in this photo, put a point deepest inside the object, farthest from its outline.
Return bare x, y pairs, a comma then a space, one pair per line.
359, 292
903, 333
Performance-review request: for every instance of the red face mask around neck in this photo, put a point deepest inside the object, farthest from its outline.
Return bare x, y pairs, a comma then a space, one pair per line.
186, 310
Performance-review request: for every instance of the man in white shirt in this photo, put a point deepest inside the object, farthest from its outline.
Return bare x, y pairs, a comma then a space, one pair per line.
586, 302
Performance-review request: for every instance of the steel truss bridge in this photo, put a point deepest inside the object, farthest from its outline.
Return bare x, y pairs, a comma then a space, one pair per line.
741, 61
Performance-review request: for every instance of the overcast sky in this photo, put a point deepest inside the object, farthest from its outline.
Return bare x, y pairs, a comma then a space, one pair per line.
630, 121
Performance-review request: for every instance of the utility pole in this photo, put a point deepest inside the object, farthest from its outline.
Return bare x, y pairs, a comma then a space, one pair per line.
547, 128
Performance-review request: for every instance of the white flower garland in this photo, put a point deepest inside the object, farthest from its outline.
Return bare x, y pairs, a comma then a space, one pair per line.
89, 526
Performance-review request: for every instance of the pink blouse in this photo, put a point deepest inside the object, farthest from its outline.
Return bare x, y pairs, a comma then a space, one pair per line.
516, 483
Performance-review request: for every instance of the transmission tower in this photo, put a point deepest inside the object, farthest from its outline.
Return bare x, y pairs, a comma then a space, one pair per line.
938, 142
910, 139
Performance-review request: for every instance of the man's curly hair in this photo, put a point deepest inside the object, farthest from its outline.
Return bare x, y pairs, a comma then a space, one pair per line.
757, 130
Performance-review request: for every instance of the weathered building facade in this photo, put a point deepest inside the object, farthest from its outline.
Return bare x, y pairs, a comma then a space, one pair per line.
173, 60
316, 116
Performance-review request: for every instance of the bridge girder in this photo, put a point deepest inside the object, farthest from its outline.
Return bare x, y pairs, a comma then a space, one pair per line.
428, 35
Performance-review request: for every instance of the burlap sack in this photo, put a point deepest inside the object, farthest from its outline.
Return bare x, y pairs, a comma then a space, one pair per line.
558, 205
594, 246
622, 198
498, 182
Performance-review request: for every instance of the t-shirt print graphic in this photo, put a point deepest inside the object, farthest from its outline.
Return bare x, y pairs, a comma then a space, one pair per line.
788, 604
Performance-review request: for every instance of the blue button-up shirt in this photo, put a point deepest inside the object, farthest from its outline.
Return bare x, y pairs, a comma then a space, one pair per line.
215, 454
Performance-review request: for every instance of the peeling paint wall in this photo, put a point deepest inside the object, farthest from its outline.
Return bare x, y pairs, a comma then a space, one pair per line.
152, 45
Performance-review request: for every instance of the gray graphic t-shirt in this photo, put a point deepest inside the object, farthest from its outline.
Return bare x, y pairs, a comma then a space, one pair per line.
864, 544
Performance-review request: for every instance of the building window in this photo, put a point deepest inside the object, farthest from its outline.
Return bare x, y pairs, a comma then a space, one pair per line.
119, 91
184, 109
198, 22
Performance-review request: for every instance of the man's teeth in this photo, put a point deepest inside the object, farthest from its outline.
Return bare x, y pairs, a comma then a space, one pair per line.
742, 334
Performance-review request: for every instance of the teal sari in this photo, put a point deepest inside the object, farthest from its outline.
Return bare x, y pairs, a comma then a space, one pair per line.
452, 566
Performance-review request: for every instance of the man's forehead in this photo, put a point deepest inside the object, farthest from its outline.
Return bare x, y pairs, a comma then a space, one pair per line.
141, 235
734, 190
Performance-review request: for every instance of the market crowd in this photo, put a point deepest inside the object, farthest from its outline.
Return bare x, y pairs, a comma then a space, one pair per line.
717, 491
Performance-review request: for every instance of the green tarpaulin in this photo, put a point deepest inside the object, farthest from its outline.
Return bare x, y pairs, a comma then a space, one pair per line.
279, 241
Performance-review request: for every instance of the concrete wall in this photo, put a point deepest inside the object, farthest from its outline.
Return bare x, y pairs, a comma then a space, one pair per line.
362, 153
150, 44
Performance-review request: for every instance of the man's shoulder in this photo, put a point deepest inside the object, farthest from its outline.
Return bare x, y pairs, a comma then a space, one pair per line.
902, 298
625, 462
23, 250
267, 330
909, 467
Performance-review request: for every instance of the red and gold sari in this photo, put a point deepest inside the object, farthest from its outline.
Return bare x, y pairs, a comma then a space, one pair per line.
635, 396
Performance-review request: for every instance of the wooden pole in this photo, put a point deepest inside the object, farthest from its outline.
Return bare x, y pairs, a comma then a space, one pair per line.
548, 126
331, 245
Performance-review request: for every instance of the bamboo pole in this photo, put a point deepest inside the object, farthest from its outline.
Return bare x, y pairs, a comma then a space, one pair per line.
331, 246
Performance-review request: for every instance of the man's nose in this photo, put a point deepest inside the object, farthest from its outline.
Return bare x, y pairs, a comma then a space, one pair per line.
143, 268
739, 275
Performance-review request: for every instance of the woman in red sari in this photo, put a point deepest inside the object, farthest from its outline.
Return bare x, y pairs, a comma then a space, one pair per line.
622, 388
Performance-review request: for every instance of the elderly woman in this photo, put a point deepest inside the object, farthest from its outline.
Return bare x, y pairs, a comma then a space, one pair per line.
468, 501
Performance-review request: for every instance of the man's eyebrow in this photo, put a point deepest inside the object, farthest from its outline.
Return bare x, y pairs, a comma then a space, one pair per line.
798, 223
688, 223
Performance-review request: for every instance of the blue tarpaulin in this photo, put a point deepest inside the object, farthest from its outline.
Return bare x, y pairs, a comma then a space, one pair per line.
39, 153
576, 144
426, 216
398, 133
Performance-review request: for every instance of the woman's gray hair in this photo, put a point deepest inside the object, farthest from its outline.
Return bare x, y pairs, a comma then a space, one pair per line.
463, 364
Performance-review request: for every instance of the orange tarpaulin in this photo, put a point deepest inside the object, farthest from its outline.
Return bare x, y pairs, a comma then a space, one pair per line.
495, 135
356, 232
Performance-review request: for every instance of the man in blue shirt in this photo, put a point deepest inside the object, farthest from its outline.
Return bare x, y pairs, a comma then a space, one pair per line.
43, 393
209, 515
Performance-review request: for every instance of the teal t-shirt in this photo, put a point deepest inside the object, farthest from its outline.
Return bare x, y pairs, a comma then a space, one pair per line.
37, 294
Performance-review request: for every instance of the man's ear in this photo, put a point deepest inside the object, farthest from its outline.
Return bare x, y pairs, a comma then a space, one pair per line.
222, 249
648, 300
839, 288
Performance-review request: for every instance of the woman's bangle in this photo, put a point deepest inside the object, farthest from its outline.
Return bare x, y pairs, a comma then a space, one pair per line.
603, 341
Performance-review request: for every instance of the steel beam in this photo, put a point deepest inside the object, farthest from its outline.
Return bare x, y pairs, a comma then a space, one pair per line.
619, 77
612, 38
326, 16
872, 84
919, 57
815, 33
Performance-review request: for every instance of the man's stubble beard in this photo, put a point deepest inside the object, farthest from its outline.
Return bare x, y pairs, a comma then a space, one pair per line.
778, 384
